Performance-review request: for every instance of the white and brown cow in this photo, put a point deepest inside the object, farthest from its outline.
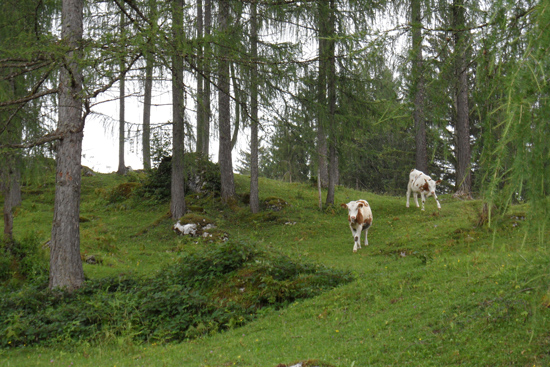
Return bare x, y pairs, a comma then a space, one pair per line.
421, 183
360, 219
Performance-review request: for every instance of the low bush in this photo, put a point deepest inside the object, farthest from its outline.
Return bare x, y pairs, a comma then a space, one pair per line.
219, 287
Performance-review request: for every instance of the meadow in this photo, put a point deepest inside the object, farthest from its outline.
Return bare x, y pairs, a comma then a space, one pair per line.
433, 288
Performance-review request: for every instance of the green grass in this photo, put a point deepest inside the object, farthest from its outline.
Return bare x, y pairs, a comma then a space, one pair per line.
431, 289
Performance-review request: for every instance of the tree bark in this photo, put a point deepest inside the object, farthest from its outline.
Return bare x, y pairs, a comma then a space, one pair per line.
121, 121
418, 87
205, 135
224, 156
462, 129
9, 171
331, 79
177, 204
65, 263
254, 187
147, 98
322, 151
148, 93
200, 79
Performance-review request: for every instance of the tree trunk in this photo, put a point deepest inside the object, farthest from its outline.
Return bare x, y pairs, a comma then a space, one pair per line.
11, 190
200, 80
331, 78
462, 131
65, 262
254, 188
121, 164
206, 87
418, 87
9, 171
146, 137
224, 156
321, 97
177, 204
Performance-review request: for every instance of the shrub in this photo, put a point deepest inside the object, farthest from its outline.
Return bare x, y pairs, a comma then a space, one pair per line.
219, 287
200, 175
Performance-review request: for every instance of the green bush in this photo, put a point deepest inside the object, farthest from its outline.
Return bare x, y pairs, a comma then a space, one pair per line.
199, 174
23, 259
219, 287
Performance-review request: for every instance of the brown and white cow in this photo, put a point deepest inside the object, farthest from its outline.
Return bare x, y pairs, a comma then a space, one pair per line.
421, 183
360, 219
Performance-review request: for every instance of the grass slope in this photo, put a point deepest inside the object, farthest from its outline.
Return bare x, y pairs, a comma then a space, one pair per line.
431, 289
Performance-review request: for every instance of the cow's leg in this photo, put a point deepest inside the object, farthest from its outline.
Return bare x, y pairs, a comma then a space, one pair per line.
423, 197
415, 196
437, 201
408, 193
366, 235
356, 232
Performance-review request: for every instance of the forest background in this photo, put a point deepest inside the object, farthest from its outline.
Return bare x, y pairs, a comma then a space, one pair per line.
352, 93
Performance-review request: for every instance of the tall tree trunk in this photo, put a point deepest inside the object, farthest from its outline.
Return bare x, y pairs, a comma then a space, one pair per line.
200, 79
177, 204
321, 97
148, 95
65, 263
121, 122
418, 87
206, 86
254, 187
11, 189
224, 155
331, 78
146, 137
462, 130
9, 171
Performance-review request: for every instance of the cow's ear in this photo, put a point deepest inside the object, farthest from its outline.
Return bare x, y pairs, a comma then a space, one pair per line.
344, 205
437, 182
360, 205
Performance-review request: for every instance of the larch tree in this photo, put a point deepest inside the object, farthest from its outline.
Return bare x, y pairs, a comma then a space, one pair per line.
177, 203
417, 89
322, 150
65, 263
462, 123
122, 105
254, 188
148, 87
224, 112
331, 89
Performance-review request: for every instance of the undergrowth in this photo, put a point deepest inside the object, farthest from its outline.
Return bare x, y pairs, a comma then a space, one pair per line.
219, 287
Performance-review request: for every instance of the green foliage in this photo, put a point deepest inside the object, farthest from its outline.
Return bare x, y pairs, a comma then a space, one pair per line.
23, 260
200, 293
200, 175
121, 192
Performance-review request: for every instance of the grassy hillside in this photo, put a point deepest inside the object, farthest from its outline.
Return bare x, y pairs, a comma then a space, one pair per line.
431, 289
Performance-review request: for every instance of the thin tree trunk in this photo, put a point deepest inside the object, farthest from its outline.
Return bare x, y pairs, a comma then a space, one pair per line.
200, 80
331, 78
148, 93
418, 87
9, 172
121, 164
146, 137
321, 97
254, 187
463, 150
11, 189
177, 204
65, 263
224, 156
206, 87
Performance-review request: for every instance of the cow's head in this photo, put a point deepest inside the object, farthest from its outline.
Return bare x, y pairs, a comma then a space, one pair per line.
354, 214
430, 185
